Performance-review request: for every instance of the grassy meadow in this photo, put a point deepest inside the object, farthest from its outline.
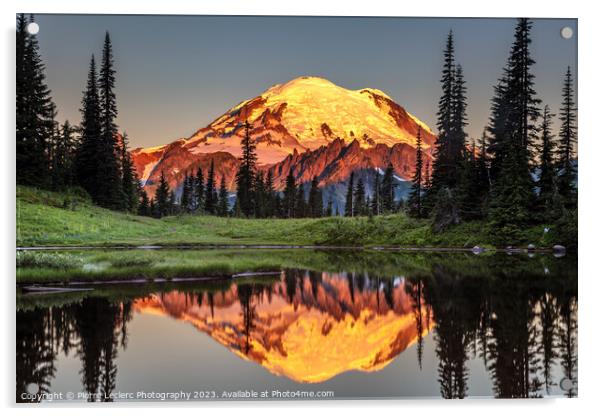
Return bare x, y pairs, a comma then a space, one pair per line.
59, 219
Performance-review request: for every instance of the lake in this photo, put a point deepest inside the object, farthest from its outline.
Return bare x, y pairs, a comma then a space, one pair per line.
346, 325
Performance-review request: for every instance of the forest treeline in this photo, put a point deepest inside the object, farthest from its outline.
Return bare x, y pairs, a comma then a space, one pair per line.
517, 174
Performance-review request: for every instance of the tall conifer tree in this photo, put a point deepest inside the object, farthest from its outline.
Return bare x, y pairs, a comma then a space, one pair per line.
568, 137
222, 199
415, 198
246, 173
87, 166
513, 189
162, 198
211, 191
316, 205
547, 176
349, 211
199, 191
443, 165
388, 190
110, 193
289, 195
129, 178
376, 205
34, 108
359, 199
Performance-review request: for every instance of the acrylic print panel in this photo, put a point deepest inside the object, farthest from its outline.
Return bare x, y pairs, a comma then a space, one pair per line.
299, 208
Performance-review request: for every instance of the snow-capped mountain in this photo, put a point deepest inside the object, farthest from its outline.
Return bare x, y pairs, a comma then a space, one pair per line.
309, 125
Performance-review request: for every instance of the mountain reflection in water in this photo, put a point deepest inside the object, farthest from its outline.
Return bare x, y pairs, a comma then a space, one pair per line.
308, 326
312, 327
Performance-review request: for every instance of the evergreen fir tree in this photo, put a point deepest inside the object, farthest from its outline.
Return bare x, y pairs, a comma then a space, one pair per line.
359, 199
34, 108
483, 165
316, 205
568, 137
162, 198
63, 155
108, 178
290, 192
153, 209
87, 166
246, 173
513, 191
547, 175
300, 203
129, 178
210, 191
260, 196
458, 135
349, 211
415, 207
388, 190
222, 200
443, 165
376, 203
469, 191
271, 204
199, 191
185, 199
144, 207
427, 175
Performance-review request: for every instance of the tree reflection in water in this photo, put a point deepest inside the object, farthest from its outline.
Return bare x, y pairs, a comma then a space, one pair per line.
521, 324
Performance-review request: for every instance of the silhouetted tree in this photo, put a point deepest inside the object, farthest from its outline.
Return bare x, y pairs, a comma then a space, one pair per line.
315, 202
290, 192
129, 178
210, 191
222, 199
199, 191
444, 168
246, 174
110, 192
162, 198
301, 209
513, 135
144, 207
88, 171
415, 207
548, 197
63, 158
271, 195
359, 199
187, 193
469, 191
349, 200
388, 190
34, 108
260, 197
568, 138
376, 203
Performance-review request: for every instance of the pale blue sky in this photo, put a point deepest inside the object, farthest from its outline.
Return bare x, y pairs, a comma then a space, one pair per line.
176, 74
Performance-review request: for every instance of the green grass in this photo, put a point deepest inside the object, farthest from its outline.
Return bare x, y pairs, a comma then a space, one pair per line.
124, 264
59, 219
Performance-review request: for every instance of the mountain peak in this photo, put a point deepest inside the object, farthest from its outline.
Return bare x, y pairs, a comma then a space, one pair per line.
296, 117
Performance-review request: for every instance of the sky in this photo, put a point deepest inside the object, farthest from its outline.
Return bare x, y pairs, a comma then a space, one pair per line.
176, 74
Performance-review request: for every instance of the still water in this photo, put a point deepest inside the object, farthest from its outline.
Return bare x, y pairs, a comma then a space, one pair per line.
406, 325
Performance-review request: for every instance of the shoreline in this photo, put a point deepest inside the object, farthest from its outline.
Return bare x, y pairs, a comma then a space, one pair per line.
192, 246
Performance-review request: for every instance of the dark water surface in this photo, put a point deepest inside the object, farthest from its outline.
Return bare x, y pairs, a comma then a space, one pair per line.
398, 325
